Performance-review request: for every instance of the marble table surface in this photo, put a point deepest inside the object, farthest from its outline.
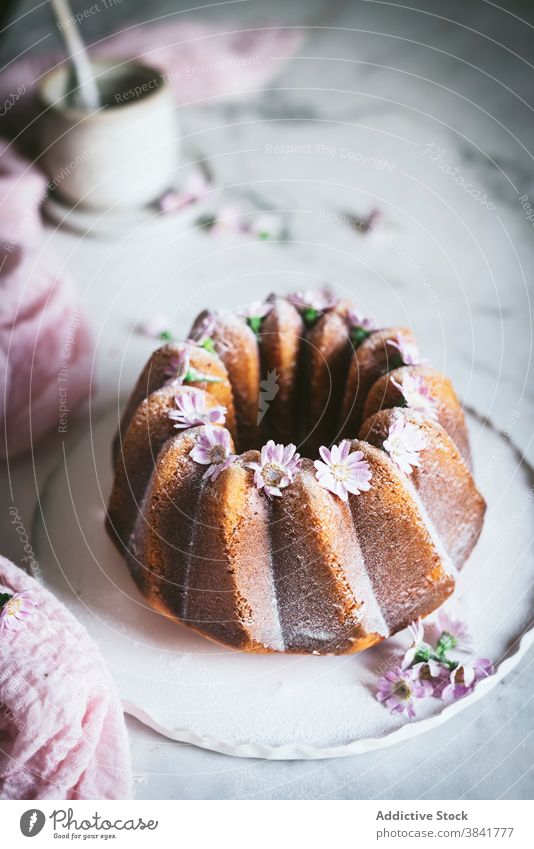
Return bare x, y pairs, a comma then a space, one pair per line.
422, 111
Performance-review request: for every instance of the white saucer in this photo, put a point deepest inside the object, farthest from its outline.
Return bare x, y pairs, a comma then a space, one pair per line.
275, 706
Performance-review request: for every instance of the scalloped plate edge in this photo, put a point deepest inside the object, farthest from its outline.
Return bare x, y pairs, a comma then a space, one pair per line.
355, 747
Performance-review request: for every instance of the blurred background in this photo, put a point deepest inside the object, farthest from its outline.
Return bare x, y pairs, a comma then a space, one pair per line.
382, 148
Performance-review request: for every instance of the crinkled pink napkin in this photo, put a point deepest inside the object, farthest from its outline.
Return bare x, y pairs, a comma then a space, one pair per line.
45, 346
202, 60
62, 731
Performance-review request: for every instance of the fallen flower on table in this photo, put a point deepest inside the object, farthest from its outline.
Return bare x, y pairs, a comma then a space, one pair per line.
267, 226
154, 327
428, 669
234, 219
195, 187
229, 219
365, 224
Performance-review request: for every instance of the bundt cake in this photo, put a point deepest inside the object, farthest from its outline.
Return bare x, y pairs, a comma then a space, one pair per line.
227, 529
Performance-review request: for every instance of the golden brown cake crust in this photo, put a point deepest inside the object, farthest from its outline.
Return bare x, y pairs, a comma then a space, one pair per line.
311, 536
402, 561
443, 481
370, 360
237, 348
160, 549
328, 357
282, 332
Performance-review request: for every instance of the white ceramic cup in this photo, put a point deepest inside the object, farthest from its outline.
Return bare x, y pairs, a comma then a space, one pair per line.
125, 154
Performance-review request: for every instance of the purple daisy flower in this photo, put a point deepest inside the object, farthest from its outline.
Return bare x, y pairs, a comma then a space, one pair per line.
360, 326
276, 469
191, 410
155, 326
15, 610
416, 394
229, 220
178, 366
408, 351
256, 309
417, 633
454, 633
341, 471
204, 330
404, 442
213, 449
399, 689
464, 678
179, 369
435, 673
195, 187
358, 320
312, 302
266, 226
254, 313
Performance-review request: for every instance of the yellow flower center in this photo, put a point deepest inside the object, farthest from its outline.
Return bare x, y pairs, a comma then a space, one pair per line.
218, 454
340, 472
273, 474
402, 690
13, 606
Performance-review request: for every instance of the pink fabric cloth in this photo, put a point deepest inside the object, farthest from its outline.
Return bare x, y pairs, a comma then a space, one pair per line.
62, 731
43, 334
203, 60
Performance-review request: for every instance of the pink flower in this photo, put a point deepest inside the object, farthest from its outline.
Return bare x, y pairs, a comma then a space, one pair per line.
404, 442
465, 677
416, 394
435, 673
204, 330
276, 469
400, 688
179, 369
429, 668
191, 410
213, 449
178, 366
357, 320
455, 631
342, 472
266, 226
195, 187
360, 326
254, 313
169, 201
256, 309
155, 327
313, 302
15, 610
229, 219
417, 633
408, 351
366, 224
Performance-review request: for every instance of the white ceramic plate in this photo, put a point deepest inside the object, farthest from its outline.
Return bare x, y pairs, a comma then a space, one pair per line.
275, 706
